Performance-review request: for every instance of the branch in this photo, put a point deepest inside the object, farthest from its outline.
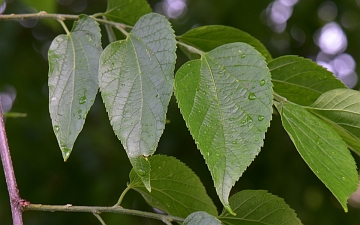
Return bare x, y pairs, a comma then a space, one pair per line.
100, 209
15, 200
45, 15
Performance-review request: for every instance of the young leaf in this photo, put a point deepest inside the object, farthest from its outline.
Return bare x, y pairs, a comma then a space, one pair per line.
126, 11
322, 149
259, 207
176, 189
301, 80
226, 101
201, 218
136, 83
73, 80
207, 38
341, 109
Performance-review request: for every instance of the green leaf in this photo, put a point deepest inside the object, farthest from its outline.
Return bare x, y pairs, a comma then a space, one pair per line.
207, 38
73, 80
48, 6
126, 11
201, 218
226, 101
341, 109
176, 189
301, 80
322, 149
136, 83
258, 208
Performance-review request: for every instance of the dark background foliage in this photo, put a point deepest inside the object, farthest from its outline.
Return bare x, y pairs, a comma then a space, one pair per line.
98, 168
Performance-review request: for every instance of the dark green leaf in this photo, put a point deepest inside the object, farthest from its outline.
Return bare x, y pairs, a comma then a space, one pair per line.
341, 109
127, 11
258, 208
322, 149
300, 80
136, 83
201, 218
207, 38
175, 189
73, 80
226, 101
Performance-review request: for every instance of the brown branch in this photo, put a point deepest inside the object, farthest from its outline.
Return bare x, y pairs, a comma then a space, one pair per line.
15, 200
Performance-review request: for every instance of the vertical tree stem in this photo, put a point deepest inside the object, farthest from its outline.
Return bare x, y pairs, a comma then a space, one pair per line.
15, 200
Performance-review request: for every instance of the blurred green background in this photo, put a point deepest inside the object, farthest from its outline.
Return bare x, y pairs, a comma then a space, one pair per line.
97, 172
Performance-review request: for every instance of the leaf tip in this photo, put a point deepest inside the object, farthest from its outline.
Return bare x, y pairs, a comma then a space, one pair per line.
66, 153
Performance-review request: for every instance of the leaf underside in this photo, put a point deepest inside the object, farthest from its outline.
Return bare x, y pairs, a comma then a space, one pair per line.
226, 101
201, 218
300, 80
136, 83
175, 189
341, 109
73, 80
257, 207
322, 149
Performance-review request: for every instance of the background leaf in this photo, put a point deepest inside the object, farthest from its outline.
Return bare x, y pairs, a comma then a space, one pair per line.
225, 99
136, 83
259, 207
176, 189
201, 218
206, 38
322, 149
341, 109
73, 80
301, 80
127, 11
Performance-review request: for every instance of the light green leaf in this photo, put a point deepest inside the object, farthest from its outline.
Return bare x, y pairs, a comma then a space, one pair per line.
207, 38
48, 6
322, 149
73, 80
341, 109
201, 218
126, 11
176, 189
226, 101
258, 208
301, 80
136, 83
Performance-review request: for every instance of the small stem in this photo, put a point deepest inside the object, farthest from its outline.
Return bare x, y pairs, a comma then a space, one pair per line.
100, 209
110, 32
97, 15
122, 196
15, 199
99, 218
190, 48
64, 26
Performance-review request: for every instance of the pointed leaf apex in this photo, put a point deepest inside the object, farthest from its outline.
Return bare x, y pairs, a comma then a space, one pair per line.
66, 153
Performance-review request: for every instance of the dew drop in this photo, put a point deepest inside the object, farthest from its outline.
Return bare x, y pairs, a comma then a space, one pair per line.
252, 96
79, 117
56, 128
249, 119
141, 172
343, 178
242, 56
112, 64
157, 96
243, 121
82, 100
234, 142
262, 82
260, 118
122, 85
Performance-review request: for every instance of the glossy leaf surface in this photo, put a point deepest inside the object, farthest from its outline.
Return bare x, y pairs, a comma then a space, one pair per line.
201, 218
136, 83
207, 38
300, 80
175, 189
73, 80
127, 11
322, 149
226, 101
341, 109
257, 208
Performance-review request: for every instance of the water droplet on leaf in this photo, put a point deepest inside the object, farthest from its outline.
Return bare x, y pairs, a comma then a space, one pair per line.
242, 56
56, 128
82, 100
260, 118
262, 82
252, 96
141, 172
